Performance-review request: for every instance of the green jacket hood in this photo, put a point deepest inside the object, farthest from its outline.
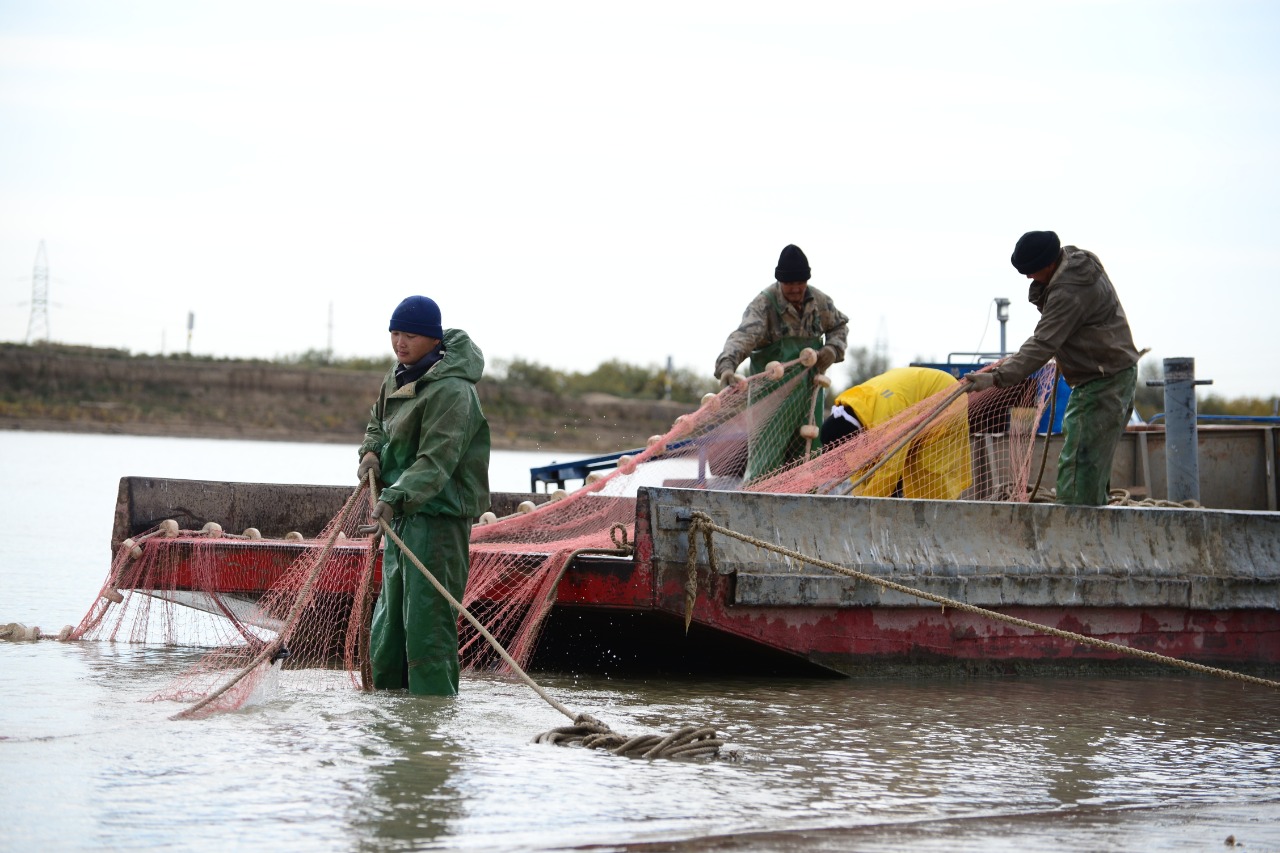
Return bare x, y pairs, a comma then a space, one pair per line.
432, 438
462, 359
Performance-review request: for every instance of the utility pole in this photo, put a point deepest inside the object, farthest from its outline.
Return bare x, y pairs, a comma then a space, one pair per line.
191, 324
328, 352
38, 325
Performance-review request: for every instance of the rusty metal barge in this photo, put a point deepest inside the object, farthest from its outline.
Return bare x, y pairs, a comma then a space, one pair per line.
1199, 585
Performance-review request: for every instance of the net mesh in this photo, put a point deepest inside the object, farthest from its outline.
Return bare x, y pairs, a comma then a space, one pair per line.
300, 609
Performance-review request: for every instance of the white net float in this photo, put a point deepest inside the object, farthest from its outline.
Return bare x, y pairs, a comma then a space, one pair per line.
169, 527
65, 633
595, 477
773, 370
809, 431
822, 379
212, 529
653, 440
487, 518
112, 595
19, 633
808, 357
293, 536
252, 533
627, 464
526, 506
711, 401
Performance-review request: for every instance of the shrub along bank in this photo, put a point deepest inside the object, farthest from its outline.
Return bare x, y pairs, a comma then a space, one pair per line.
84, 389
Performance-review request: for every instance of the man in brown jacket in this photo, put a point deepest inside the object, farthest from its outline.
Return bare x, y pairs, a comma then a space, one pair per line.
1084, 327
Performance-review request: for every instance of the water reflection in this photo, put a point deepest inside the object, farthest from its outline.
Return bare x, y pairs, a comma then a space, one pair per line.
413, 760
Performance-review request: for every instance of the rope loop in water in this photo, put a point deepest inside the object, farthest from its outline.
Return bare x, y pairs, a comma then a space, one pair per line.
588, 732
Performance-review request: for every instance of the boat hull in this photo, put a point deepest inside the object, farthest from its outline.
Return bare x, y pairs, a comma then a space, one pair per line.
1195, 585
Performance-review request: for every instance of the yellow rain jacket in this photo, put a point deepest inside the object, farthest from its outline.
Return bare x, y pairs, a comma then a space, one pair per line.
936, 462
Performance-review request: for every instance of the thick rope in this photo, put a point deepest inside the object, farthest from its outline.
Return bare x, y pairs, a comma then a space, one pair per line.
689, 742
700, 522
1122, 497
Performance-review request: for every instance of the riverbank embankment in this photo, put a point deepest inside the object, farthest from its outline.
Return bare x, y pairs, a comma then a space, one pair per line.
82, 389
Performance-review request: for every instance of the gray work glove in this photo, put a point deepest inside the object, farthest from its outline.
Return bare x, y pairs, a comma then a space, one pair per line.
369, 462
728, 378
382, 511
980, 381
826, 358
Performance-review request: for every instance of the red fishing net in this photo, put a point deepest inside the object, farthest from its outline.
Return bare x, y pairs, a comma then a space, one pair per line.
300, 608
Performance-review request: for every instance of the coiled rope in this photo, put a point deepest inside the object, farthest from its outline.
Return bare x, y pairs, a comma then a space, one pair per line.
701, 523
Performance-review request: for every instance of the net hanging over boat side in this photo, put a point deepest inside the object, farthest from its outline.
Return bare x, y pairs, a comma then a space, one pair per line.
253, 604
239, 597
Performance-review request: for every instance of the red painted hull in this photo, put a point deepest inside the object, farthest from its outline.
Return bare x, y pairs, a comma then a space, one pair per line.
846, 639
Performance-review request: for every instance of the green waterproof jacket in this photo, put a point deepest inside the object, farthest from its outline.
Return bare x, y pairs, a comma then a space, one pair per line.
432, 438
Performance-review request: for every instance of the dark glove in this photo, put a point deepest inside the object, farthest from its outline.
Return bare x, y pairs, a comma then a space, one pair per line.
826, 358
980, 381
728, 378
382, 511
369, 462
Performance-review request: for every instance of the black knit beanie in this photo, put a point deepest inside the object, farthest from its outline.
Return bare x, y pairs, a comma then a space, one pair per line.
1035, 251
792, 265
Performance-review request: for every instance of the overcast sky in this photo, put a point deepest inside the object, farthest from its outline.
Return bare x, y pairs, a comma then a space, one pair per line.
575, 182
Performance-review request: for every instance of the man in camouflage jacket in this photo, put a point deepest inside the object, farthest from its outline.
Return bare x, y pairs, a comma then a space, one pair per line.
789, 309
785, 318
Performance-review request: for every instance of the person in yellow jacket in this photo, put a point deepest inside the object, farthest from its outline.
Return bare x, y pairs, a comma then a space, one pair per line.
936, 463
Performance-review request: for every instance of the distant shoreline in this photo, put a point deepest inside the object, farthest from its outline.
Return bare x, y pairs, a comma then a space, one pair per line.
222, 432
85, 390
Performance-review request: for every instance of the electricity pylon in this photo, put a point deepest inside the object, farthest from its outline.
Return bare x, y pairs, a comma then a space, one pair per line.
38, 325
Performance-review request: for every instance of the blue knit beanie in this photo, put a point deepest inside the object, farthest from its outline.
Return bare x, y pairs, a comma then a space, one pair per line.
417, 315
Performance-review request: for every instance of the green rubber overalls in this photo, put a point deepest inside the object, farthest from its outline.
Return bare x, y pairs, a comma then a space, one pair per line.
772, 445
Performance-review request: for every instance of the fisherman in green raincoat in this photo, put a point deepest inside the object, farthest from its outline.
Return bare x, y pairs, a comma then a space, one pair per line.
785, 318
427, 439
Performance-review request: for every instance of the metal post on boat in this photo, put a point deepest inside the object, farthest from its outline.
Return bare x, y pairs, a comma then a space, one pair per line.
1002, 314
1182, 459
